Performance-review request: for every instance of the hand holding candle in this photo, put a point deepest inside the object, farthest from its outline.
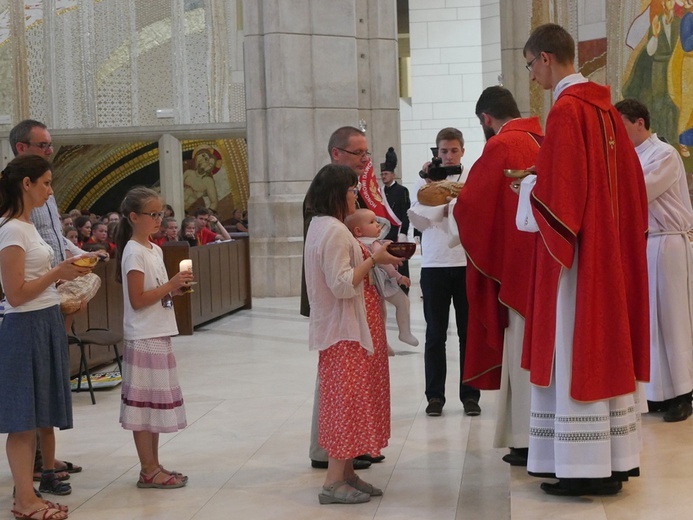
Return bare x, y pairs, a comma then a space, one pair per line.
185, 266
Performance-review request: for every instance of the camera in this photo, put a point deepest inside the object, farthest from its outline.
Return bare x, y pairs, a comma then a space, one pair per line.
436, 172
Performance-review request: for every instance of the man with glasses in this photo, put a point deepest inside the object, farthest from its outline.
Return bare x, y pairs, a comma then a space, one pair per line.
586, 331
347, 147
32, 138
443, 281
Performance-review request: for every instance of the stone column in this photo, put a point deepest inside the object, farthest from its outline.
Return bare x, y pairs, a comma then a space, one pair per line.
515, 29
171, 173
310, 67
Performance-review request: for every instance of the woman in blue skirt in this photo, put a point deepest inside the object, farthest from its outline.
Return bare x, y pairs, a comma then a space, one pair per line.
34, 372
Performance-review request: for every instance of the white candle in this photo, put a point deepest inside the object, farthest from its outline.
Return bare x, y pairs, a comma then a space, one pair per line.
185, 265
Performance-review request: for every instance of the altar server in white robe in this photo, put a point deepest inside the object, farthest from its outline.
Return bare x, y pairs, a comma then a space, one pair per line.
669, 265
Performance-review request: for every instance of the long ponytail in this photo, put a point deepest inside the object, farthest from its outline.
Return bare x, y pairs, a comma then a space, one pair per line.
134, 201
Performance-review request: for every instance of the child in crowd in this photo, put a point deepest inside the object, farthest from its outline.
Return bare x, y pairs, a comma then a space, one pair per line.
171, 232
387, 280
71, 234
66, 220
83, 227
187, 231
111, 231
151, 399
168, 231
99, 235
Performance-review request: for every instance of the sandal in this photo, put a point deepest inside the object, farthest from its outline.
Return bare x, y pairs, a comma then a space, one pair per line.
67, 466
50, 484
183, 478
51, 505
61, 475
364, 487
147, 481
34, 515
347, 495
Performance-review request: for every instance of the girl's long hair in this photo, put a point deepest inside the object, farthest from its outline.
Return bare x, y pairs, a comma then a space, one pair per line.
134, 201
11, 196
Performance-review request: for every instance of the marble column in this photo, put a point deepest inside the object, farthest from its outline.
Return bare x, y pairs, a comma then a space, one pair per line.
171, 173
310, 67
515, 29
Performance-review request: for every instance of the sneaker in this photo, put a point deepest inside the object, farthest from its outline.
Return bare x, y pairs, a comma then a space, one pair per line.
435, 407
471, 407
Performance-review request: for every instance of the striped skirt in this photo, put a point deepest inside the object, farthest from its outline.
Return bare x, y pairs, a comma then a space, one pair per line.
151, 398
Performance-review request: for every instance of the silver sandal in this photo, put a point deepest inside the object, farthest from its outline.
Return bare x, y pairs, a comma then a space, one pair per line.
364, 487
342, 493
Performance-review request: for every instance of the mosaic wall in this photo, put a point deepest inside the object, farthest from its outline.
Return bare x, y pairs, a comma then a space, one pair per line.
215, 174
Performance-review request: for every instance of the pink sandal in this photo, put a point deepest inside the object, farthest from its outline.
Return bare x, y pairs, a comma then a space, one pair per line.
147, 481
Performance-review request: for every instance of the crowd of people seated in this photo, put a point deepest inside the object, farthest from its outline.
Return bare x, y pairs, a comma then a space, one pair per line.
92, 232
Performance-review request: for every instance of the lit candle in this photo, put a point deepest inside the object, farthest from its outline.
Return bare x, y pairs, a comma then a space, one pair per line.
185, 265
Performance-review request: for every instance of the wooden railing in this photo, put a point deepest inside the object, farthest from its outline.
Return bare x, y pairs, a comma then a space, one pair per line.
222, 273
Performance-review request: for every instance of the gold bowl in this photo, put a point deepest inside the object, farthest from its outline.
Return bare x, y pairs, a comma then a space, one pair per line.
86, 261
516, 174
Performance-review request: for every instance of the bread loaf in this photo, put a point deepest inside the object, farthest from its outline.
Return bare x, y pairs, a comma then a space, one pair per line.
436, 193
78, 291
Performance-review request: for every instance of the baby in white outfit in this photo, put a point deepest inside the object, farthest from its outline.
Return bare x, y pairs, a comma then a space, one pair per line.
387, 280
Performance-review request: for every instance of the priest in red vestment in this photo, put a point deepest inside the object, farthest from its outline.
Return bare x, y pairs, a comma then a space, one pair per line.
498, 272
587, 324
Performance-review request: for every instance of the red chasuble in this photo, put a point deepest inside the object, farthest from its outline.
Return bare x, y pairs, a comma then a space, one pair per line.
590, 193
500, 256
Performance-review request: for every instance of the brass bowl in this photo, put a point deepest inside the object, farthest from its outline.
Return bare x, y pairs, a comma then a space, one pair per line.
86, 261
402, 249
516, 174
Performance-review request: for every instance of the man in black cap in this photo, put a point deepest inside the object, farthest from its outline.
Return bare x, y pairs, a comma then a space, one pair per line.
398, 198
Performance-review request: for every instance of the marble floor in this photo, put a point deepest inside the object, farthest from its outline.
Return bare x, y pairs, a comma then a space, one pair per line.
248, 382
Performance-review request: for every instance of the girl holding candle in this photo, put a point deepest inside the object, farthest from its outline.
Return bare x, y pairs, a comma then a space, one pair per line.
151, 399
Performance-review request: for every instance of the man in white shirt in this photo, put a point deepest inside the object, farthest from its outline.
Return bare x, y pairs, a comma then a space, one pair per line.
669, 265
443, 277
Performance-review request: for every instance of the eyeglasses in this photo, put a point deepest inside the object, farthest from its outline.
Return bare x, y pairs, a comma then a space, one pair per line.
528, 66
360, 153
355, 190
42, 146
155, 215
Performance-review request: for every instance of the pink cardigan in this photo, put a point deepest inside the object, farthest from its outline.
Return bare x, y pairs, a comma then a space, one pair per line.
337, 308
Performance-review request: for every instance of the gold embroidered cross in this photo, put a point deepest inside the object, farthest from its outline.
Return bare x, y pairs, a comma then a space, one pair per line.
611, 142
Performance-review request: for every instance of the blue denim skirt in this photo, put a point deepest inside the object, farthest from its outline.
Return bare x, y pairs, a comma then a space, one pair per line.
34, 371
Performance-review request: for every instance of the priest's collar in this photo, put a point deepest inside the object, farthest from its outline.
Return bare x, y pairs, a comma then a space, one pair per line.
569, 80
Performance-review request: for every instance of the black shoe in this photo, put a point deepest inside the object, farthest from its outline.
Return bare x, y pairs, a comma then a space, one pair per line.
372, 460
435, 407
576, 487
50, 484
517, 456
356, 463
471, 407
657, 406
679, 410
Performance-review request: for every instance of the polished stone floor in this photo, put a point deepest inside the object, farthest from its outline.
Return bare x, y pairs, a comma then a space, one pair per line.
248, 382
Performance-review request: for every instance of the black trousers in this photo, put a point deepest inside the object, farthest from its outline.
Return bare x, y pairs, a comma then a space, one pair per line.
441, 286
